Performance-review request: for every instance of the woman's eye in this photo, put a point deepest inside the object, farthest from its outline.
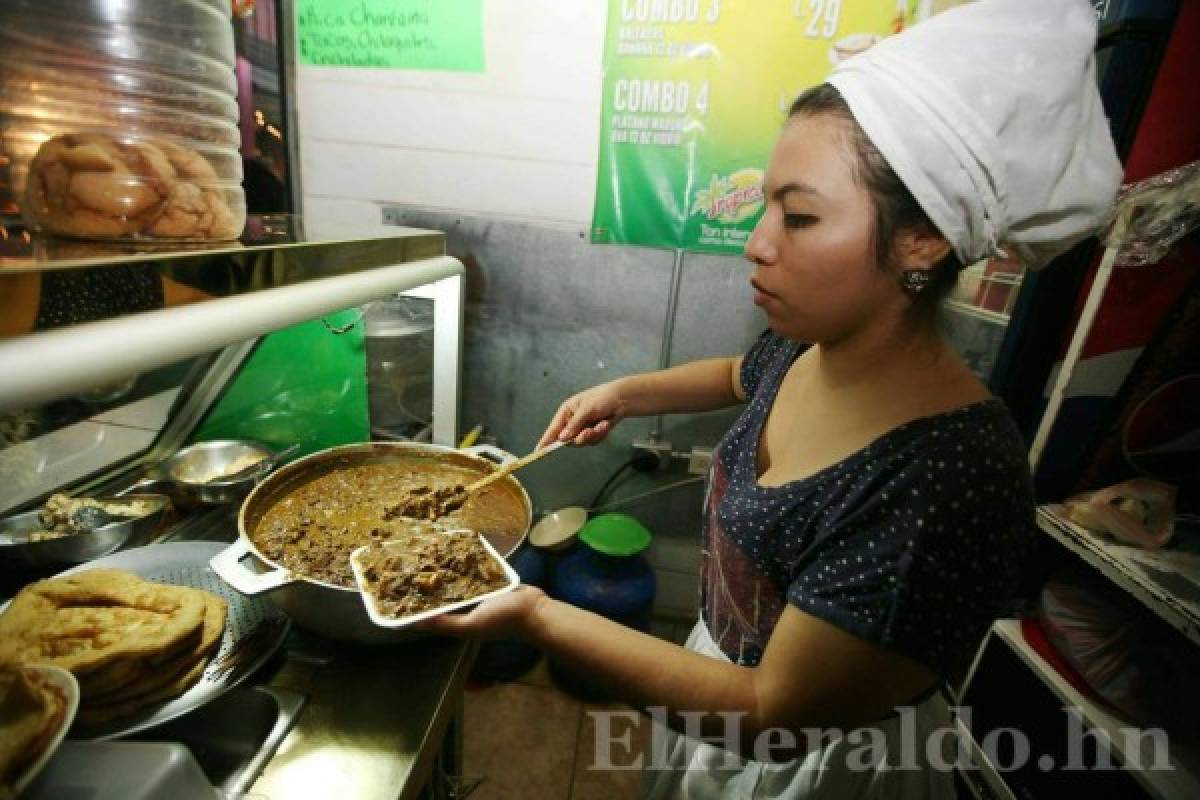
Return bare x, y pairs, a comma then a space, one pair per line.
798, 220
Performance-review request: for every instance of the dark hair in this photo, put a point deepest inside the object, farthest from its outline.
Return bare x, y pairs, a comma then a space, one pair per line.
895, 207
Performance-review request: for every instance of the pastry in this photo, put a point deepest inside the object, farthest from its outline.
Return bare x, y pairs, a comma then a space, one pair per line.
93, 185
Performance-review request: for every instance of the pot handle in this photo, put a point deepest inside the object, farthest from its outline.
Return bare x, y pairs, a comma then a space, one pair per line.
491, 453
228, 565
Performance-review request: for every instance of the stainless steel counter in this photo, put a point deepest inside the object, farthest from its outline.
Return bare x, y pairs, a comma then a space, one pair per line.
375, 722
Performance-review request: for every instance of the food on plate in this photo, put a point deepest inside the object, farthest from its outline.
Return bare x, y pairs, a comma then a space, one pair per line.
313, 529
31, 711
129, 642
87, 620
110, 678
423, 571
67, 516
1138, 512
118, 683
96, 186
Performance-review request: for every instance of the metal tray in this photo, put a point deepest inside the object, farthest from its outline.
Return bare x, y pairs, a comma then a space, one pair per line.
186, 564
17, 550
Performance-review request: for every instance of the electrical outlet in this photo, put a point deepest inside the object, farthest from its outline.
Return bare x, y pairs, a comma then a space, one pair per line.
660, 451
699, 460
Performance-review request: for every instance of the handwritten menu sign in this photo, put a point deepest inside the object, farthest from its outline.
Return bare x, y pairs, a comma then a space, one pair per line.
391, 34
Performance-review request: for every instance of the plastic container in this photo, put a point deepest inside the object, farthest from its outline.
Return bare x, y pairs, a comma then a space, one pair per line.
608, 576
399, 544
399, 344
118, 120
65, 683
616, 535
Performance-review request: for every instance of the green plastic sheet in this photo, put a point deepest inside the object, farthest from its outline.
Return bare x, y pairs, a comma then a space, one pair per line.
305, 384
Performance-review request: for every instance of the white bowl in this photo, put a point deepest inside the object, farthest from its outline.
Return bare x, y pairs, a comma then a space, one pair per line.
556, 530
65, 682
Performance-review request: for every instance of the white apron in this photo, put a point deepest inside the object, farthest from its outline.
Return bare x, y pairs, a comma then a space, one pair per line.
832, 771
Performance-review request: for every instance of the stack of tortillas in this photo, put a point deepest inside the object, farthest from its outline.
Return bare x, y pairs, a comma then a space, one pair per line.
128, 641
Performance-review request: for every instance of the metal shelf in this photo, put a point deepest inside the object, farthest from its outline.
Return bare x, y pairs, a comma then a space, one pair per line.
1155, 578
249, 288
989, 784
969, 310
1179, 780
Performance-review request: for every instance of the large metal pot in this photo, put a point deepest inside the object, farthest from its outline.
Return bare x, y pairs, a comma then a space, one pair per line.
325, 608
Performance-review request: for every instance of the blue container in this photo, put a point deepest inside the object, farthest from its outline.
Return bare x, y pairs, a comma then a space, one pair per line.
621, 588
530, 564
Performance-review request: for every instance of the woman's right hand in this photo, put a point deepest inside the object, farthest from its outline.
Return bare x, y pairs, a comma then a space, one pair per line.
587, 417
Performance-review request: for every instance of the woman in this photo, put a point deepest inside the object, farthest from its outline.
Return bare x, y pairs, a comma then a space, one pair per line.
869, 512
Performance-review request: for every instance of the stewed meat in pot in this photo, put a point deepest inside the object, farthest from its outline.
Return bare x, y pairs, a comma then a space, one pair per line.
313, 529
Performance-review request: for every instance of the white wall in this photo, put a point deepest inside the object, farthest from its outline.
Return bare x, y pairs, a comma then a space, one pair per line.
517, 141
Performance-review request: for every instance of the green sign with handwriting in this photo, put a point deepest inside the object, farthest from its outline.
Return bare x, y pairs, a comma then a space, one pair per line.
391, 34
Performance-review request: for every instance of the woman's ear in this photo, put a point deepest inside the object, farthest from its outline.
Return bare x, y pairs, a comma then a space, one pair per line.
921, 247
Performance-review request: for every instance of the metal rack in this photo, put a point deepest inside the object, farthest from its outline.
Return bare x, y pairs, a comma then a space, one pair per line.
1180, 778
276, 277
267, 285
1157, 579
1166, 582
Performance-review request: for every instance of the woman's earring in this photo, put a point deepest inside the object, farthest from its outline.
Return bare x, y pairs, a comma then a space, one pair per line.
915, 280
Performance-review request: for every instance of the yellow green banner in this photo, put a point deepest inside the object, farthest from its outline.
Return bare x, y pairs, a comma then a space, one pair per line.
391, 34
695, 92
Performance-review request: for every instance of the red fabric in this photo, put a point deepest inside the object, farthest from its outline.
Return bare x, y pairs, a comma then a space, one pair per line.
1035, 637
1169, 131
1168, 136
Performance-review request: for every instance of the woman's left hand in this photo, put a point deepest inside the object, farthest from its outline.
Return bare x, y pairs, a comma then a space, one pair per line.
502, 617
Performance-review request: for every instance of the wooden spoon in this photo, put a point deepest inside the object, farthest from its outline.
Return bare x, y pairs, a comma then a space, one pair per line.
510, 467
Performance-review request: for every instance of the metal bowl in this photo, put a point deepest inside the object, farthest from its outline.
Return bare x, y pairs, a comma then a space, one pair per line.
17, 550
183, 474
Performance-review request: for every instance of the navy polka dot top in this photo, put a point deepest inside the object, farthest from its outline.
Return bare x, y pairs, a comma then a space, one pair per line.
914, 543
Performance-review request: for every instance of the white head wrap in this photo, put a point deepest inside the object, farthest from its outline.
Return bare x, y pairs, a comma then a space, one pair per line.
990, 115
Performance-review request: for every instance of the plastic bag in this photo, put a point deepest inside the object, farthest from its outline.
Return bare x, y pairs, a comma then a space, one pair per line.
1145, 671
1138, 512
1152, 215
1096, 637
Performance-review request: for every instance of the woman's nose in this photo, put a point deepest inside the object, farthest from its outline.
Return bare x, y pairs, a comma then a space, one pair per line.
758, 247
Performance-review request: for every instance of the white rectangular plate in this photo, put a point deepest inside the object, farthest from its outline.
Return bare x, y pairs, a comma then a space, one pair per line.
383, 621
